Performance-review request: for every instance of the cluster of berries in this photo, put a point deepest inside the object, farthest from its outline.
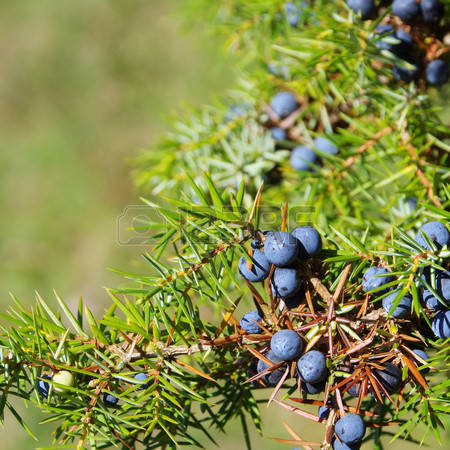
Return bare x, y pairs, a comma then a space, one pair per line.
64, 379
282, 249
437, 299
302, 158
278, 255
430, 12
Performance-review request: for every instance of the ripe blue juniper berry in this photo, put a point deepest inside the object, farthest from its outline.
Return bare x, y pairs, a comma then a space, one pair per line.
283, 104
323, 412
350, 428
442, 289
383, 30
407, 72
294, 12
257, 244
424, 356
441, 324
278, 70
405, 45
354, 390
390, 377
281, 248
248, 322
432, 10
407, 10
311, 367
142, 377
286, 345
374, 278
364, 7
343, 446
271, 378
285, 281
437, 72
278, 134
431, 301
443, 284
325, 145
256, 271
303, 158
313, 388
309, 239
436, 231
402, 310
235, 111
43, 386
109, 399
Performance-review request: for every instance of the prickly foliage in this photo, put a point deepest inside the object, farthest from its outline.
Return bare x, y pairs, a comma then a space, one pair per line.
225, 181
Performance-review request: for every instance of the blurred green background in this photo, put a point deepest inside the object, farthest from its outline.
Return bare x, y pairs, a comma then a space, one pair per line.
83, 85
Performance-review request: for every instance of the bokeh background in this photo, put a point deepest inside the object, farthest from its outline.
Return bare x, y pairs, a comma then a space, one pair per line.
83, 86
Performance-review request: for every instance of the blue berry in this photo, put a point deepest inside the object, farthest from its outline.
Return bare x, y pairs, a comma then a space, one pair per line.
354, 390
278, 134
437, 72
402, 310
390, 377
405, 45
373, 278
443, 290
431, 301
350, 428
293, 12
278, 71
365, 7
402, 48
256, 243
432, 10
441, 324
283, 104
385, 30
342, 446
286, 345
405, 9
303, 158
443, 284
142, 377
285, 282
311, 367
271, 378
412, 202
323, 412
313, 388
325, 146
109, 399
281, 248
407, 74
424, 356
248, 322
235, 111
309, 239
42, 386
258, 271
436, 231
404, 37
